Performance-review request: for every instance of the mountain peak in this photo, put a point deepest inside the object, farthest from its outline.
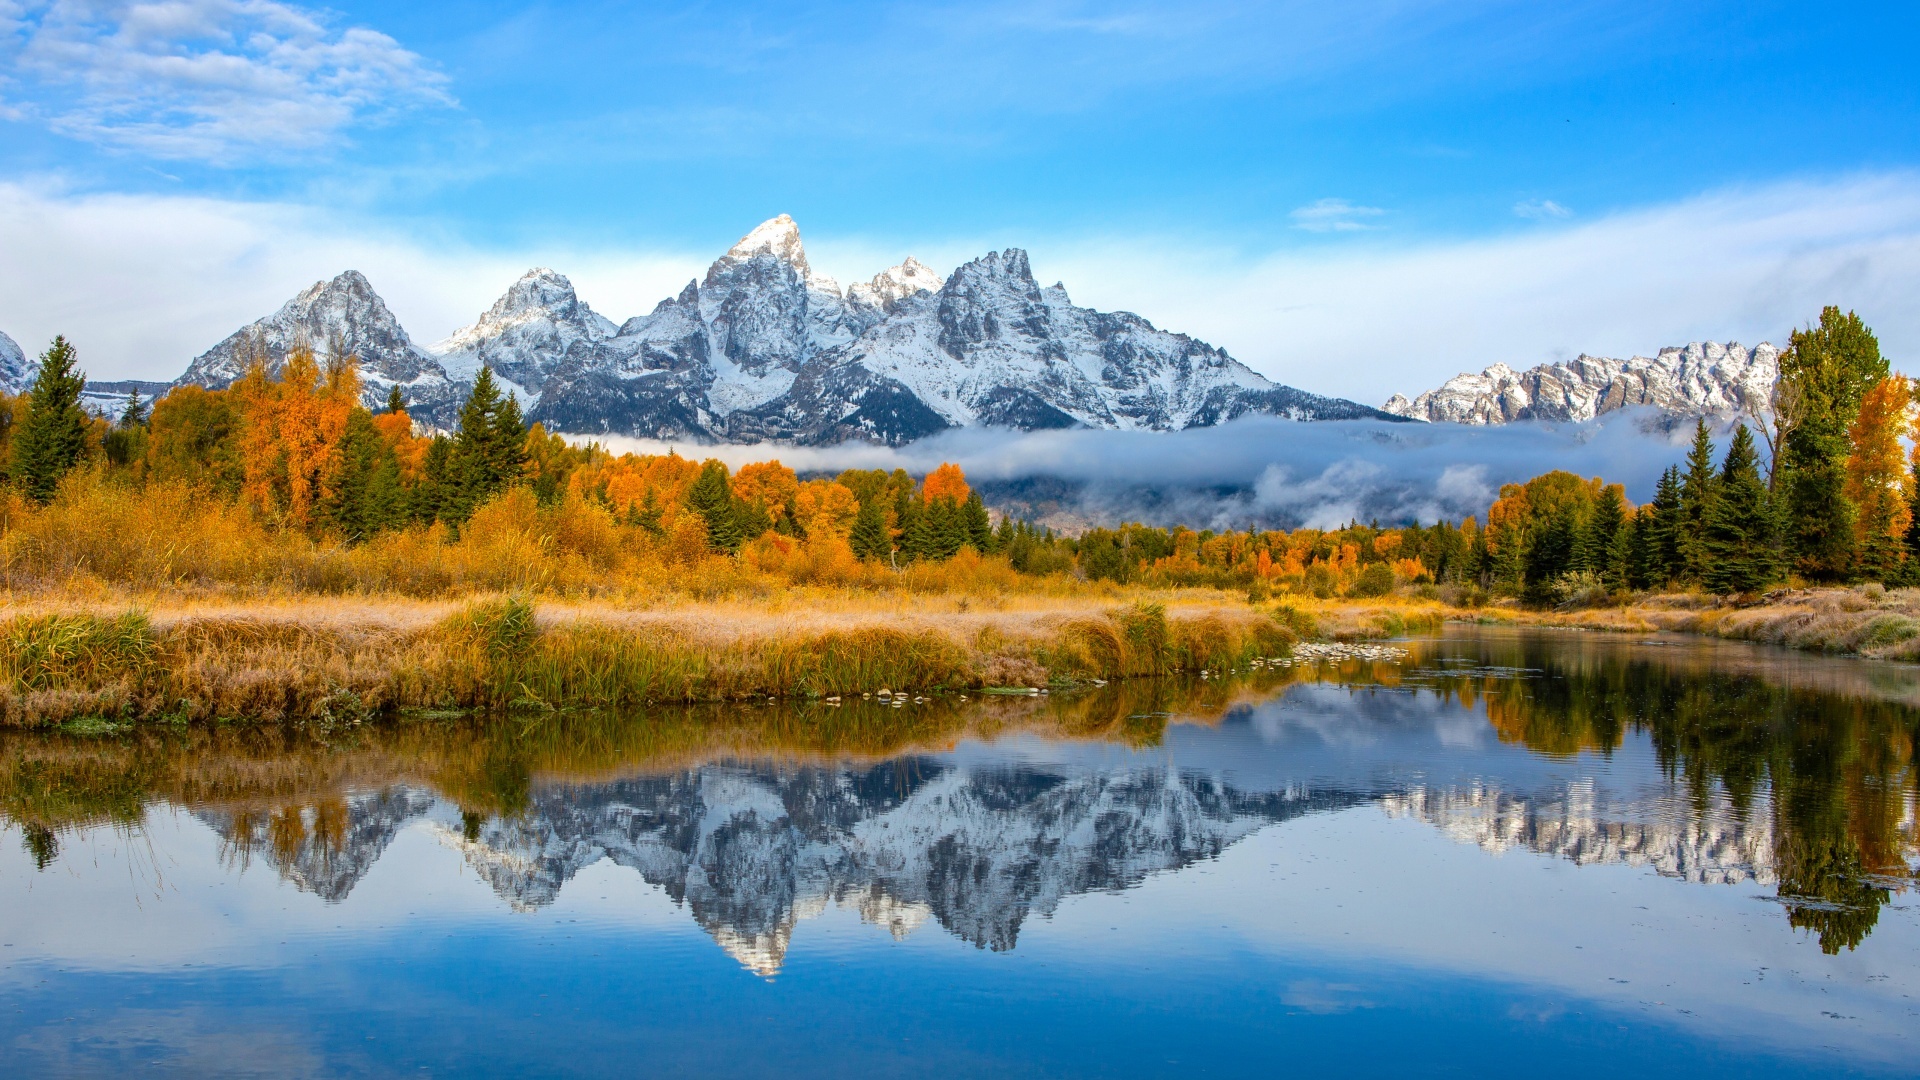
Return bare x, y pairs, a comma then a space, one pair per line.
776, 236
537, 288
16, 373
896, 283
348, 282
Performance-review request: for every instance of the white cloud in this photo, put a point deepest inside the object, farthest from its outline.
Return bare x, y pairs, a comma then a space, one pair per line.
204, 80
142, 284
145, 283
1334, 215
1541, 210
1262, 471
1374, 319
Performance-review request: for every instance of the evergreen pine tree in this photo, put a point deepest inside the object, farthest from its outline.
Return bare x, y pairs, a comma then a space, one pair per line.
647, 513
134, 414
396, 403
1003, 537
1639, 543
869, 538
1604, 546
948, 527
977, 523
433, 496
1697, 491
1550, 553
507, 442
712, 498
367, 497
1828, 368
1738, 538
53, 436
1665, 562
917, 539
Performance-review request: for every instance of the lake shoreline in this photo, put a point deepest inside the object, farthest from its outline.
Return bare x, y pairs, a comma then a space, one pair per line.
332, 661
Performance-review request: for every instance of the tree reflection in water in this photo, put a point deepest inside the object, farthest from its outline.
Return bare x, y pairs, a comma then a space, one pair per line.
755, 816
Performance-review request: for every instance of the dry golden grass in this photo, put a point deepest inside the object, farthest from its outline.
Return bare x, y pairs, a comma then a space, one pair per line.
340, 660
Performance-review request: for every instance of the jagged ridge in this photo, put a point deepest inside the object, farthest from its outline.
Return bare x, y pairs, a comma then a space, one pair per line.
1700, 379
762, 348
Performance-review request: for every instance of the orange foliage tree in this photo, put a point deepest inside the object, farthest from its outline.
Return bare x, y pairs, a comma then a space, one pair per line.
946, 483
290, 441
1876, 477
767, 485
825, 506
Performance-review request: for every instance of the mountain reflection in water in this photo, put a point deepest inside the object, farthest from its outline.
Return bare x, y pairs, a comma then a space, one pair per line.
1701, 762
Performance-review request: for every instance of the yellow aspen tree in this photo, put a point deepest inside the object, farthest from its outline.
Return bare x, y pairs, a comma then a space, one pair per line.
1876, 478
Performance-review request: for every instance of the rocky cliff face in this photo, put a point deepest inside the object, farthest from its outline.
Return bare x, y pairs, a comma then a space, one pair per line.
16, 371
764, 349
538, 325
347, 314
1701, 379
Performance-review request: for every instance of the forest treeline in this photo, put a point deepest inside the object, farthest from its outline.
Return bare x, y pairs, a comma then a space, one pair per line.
1817, 487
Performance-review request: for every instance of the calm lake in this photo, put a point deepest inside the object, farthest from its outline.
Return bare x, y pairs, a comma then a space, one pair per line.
1509, 852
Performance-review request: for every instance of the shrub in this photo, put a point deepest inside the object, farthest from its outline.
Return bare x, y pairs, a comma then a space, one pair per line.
1375, 580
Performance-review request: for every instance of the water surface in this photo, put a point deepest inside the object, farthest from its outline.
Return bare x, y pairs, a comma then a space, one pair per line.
1513, 851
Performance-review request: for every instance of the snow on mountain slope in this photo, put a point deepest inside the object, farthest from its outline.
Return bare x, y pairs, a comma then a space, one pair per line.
16, 371
894, 284
764, 349
535, 326
1703, 378
345, 313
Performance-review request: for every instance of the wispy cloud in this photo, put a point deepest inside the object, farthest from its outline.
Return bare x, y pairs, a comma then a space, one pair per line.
1368, 322
148, 282
1335, 215
205, 80
1257, 471
1541, 210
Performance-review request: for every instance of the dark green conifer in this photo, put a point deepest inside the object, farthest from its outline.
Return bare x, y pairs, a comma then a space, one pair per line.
1664, 529
1738, 538
917, 540
367, 498
977, 523
646, 513
712, 498
1826, 370
1003, 536
53, 437
1604, 545
869, 538
134, 413
1697, 492
433, 497
489, 449
396, 403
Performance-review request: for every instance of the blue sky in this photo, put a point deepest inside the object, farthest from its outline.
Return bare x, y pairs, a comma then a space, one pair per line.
1358, 198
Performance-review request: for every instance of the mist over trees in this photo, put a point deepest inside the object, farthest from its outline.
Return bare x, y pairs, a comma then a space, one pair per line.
1820, 486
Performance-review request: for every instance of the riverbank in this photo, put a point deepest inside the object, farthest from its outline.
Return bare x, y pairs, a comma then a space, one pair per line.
342, 661
1867, 620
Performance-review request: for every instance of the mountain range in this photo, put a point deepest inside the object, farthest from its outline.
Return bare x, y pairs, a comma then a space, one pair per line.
763, 348
1704, 378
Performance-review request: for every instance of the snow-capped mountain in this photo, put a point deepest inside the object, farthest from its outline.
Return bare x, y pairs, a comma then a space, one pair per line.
764, 348
537, 325
1701, 379
16, 371
344, 313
